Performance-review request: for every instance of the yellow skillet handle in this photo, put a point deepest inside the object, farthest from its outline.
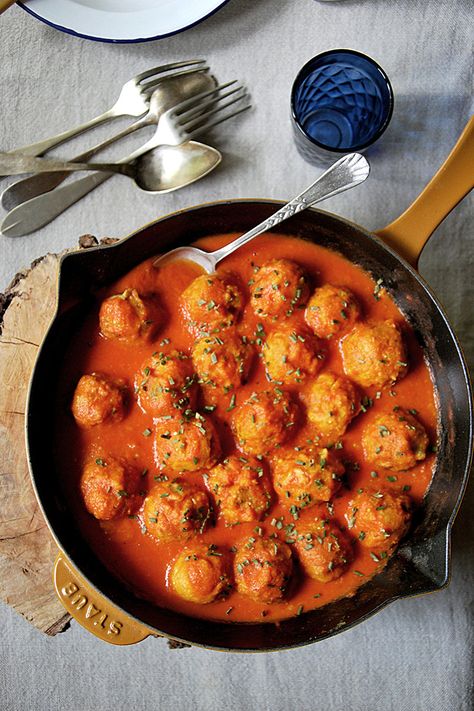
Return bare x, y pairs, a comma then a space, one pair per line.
5, 4
93, 611
409, 233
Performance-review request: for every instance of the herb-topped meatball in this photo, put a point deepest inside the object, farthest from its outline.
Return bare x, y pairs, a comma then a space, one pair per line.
98, 399
110, 488
222, 362
395, 440
264, 421
175, 510
263, 568
331, 311
374, 353
306, 477
323, 549
165, 383
130, 317
332, 402
291, 355
278, 288
378, 518
210, 302
186, 443
201, 573
241, 489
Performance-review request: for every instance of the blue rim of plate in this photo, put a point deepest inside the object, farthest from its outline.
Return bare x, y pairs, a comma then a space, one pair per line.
68, 31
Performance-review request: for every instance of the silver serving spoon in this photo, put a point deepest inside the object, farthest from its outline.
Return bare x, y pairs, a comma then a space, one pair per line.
347, 172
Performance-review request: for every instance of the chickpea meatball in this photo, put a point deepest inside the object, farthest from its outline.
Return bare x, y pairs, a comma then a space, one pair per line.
262, 569
166, 382
323, 549
241, 489
378, 518
186, 443
109, 488
331, 311
212, 301
291, 355
264, 421
98, 399
332, 402
130, 317
200, 573
395, 440
175, 510
278, 288
222, 362
306, 477
374, 353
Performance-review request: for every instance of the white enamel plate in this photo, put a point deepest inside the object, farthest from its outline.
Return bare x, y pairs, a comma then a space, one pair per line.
122, 20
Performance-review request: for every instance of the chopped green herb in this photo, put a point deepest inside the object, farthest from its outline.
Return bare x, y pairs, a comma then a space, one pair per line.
231, 403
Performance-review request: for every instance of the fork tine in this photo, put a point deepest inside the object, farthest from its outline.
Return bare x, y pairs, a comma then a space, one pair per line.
194, 101
205, 127
185, 116
168, 67
193, 121
148, 86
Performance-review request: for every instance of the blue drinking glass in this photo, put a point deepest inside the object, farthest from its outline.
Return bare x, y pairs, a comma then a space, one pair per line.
341, 101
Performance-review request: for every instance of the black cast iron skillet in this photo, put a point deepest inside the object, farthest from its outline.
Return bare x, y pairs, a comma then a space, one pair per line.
421, 564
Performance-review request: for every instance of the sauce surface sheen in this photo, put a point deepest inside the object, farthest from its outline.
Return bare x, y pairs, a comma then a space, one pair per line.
136, 558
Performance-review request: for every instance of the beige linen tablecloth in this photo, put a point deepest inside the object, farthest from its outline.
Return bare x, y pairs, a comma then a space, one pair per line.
416, 655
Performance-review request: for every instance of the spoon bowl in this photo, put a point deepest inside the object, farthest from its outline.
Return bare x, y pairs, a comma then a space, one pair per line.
167, 168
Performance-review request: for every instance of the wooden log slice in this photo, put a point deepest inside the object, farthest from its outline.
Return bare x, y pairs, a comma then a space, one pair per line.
27, 550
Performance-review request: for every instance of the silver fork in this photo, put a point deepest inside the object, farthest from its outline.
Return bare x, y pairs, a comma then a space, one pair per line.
189, 119
179, 124
133, 100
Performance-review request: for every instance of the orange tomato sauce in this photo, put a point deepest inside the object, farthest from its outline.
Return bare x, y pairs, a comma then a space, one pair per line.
133, 556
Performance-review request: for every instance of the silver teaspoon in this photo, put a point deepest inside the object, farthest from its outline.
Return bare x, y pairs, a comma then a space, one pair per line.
347, 172
157, 170
179, 165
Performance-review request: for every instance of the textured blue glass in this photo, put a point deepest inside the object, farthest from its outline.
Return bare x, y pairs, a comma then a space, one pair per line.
341, 101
